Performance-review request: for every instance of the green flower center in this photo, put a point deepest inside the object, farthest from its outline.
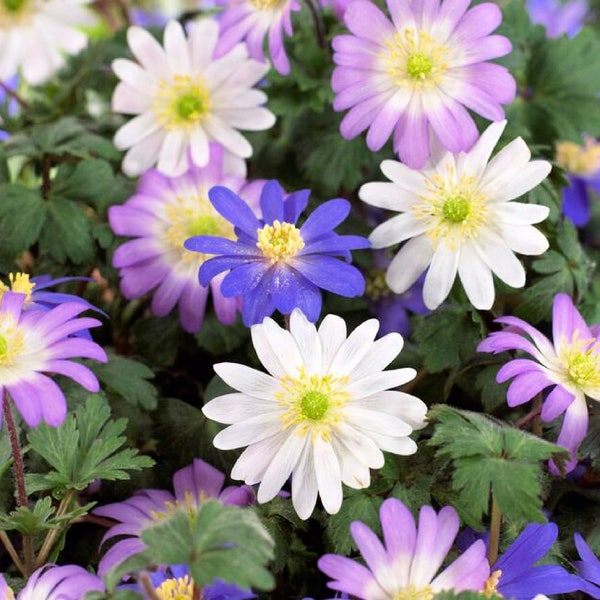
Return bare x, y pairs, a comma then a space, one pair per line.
419, 66
314, 404
189, 107
456, 209
205, 225
3, 348
13, 6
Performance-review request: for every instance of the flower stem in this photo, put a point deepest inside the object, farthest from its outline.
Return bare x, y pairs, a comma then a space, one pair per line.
496, 521
19, 467
51, 536
12, 552
146, 584
318, 26
537, 422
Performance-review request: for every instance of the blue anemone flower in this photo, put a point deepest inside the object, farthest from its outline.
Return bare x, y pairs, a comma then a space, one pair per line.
518, 577
275, 265
588, 568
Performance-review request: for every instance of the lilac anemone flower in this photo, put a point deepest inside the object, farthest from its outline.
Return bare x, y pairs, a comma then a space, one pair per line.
414, 77
68, 582
559, 18
588, 568
274, 265
409, 558
34, 343
191, 485
570, 364
514, 574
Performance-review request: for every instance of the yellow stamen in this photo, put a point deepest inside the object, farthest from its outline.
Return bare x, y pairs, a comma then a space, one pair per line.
376, 287
264, 4
17, 12
453, 210
413, 593
181, 588
414, 59
12, 340
189, 505
579, 160
279, 241
581, 361
492, 583
182, 103
19, 283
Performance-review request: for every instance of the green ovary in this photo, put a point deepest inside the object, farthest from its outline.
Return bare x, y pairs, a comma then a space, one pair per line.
456, 209
13, 6
419, 66
313, 405
188, 106
204, 225
3, 348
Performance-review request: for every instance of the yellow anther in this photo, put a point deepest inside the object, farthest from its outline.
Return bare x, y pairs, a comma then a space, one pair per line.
181, 588
492, 583
579, 160
413, 593
581, 361
279, 241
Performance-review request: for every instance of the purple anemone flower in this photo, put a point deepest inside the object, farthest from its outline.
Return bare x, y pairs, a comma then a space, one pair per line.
570, 365
582, 166
514, 574
175, 582
559, 18
164, 212
68, 582
252, 21
414, 77
588, 568
274, 265
191, 485
409, 558
34, 343
11, 103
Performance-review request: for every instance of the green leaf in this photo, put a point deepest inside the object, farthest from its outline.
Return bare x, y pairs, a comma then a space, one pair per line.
158, 339
22, 216
117, 595
491, 458
225, 542
29, 521
128, 380
67, 233
87, 446
219, 339
452, 595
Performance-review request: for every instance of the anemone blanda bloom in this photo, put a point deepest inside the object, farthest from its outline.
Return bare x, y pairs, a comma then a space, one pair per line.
252, 21
323, 414
570, 364
34, 36
459, 217
191, 485
558, 17
163, 213
185, 98
33, 343
582, 165
406, 564
514, 574
588, 568
415, 76
274, 265
68, 582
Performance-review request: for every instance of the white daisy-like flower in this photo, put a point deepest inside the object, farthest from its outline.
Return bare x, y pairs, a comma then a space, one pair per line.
35, 35
458, 216
323, 414
185, 98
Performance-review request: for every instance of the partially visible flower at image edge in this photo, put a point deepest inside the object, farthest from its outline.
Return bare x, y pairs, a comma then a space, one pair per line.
406, 565
323, 414
414, 77
588, 567
191, 485
570, 364
458, 217
36, 343
559, 18
274, 265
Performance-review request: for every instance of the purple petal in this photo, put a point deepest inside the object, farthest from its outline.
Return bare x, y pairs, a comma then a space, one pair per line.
518, 366
574, 428
566, 320
576, 202
557, 401
524, 387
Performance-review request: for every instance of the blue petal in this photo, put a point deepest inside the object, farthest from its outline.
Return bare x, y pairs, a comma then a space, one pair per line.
213, 266
589, 565
545, 579
576, 203
294, 205
271, 202
284, 288
258, 304
331, 274
392, 315
219, 590
336, 244
243, 279
212, 244
533, 543
324, 219
234, 209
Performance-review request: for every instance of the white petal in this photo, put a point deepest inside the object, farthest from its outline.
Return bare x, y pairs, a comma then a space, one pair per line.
386, 195
247, 380
148, 51
403, 446
404, 406
500, 259
517, 213
133, 75
134, 131
441, 276
519, 183
332, 332
329, 477
172, 159
476, 278
405, 268
276, 349
524, 239
248, 432
355, 347
305, 335
129, 101
381, 353
143, 155
304, 482
233, 408
410, 180
233, 141
475, 161
369, 420
176, 48
202, 41
379, 382
254, 460
396, 230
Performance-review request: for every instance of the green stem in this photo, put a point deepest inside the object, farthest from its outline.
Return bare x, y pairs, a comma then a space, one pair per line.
12, 552
496, 521
537, 422
318, 26
51, 536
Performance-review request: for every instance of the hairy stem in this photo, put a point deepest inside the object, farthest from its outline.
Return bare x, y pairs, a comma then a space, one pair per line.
12, 552
318, 25
50, 539
496, 521
537, 422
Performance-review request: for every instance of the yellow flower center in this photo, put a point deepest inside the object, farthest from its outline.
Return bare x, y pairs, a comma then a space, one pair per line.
19, 283
181, 588
314, 402
414, 59
16, 12
581, 362
182, 103
279, 241
12, 340
579, 160
413, 593
190, 215
454, 210
189, 505
264, 4
376, 287
492, 583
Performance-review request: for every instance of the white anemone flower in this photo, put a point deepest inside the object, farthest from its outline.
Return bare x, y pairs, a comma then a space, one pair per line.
184, 99
36, 34
459, 217
323, 414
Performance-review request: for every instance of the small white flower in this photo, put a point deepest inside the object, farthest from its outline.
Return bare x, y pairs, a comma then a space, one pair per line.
324, 413
35, 33
184, 99
459, 213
